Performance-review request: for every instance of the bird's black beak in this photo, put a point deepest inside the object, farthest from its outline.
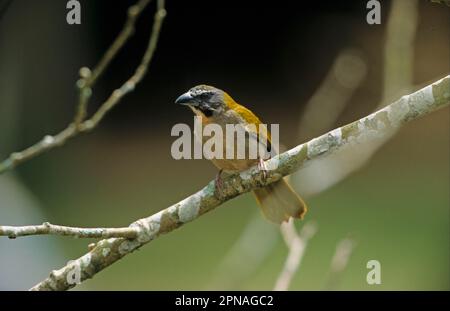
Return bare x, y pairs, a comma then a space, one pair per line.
185, 99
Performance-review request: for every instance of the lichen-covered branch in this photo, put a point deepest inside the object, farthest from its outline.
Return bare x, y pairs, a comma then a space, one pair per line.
372, 127
13, 232
88, 79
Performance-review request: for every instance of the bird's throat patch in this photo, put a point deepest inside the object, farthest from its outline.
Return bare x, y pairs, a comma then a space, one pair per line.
206, 111
202, 111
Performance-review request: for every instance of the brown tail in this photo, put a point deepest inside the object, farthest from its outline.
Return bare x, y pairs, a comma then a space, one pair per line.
278, 202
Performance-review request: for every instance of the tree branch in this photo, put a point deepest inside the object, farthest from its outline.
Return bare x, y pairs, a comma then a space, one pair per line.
370, 128
13, 232
88, 79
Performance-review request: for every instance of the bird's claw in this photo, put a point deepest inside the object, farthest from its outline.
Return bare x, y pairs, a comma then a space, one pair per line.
262, 168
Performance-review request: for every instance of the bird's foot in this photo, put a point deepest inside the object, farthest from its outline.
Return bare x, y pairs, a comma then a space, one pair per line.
262, 168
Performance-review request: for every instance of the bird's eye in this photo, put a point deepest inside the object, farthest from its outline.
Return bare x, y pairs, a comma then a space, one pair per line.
205, 95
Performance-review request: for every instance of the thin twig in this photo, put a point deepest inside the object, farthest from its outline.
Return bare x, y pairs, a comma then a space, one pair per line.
339, 262
127, 31
88, 79
13, 232
296, 243
140, 72
367, 129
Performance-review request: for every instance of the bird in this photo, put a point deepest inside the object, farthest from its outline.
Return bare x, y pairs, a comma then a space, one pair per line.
278, 201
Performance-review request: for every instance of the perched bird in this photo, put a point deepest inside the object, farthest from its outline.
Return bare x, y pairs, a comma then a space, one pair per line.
278, 201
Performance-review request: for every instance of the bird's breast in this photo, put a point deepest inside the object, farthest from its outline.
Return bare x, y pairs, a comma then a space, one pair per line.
234, 155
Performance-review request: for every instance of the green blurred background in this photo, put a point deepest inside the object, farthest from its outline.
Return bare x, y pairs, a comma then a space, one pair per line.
395, 208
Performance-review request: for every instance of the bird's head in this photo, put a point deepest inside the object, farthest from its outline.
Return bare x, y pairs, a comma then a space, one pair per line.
205, 99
